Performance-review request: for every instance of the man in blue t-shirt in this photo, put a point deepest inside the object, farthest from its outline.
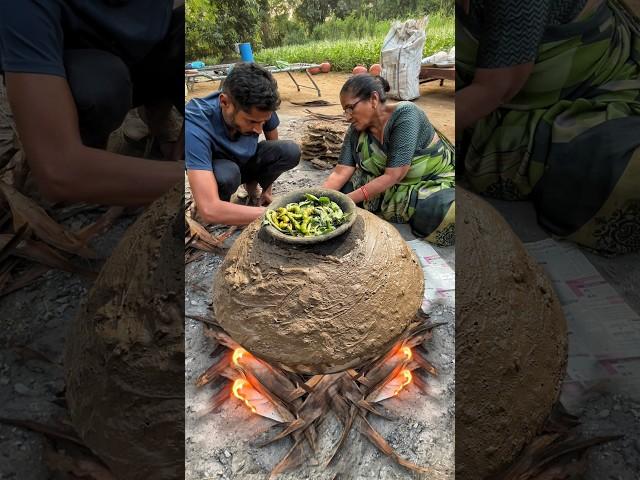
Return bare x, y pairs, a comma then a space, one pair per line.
71, 70
222, 147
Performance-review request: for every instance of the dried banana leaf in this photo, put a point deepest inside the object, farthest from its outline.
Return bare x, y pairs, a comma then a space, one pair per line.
42, 253
26, 211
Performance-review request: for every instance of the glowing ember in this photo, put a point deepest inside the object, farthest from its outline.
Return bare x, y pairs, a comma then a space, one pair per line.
269, 392
238, 385
407, 379
258, 403
238, 353
408, 353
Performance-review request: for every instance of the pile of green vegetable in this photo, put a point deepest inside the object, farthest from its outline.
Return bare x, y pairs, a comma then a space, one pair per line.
310, 218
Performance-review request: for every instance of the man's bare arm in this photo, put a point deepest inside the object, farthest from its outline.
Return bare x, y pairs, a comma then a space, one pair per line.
213, 210
66, 170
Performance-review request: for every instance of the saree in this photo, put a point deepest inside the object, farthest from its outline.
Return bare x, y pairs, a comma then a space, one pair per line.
570, 139
424, 198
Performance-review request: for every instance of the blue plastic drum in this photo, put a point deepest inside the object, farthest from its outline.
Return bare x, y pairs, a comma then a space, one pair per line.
246, 54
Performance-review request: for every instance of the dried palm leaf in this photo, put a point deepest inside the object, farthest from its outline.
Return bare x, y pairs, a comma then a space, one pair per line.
26, 211
552, 453
16, 170
293, 459
374, 437
32, 274
42, 253
100, 225
313, 103
215, 370
59, 431
216, 401
76, 465
10, 244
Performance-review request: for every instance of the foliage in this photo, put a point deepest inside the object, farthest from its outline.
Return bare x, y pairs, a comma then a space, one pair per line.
347, 48
214, 26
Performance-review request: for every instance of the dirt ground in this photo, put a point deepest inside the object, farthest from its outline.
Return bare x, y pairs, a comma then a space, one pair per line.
221, 445
436, 101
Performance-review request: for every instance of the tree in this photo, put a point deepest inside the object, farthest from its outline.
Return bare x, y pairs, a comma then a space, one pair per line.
213, 28
314, 12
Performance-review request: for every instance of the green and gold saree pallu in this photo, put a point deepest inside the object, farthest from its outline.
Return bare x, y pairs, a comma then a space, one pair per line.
425, 198
570, 139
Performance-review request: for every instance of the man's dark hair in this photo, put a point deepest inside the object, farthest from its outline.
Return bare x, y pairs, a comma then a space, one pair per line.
364, 84
250, 85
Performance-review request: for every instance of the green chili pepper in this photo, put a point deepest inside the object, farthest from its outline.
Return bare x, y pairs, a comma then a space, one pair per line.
310, 217
271, 219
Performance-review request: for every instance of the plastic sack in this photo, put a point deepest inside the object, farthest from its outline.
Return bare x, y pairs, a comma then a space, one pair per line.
401, 57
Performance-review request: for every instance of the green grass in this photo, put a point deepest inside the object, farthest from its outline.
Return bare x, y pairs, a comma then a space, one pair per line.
345, 53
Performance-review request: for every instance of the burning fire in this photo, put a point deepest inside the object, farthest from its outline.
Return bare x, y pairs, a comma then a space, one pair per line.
238, 385
405, 375
406, 381
241, 383
244, 391
269, 392
408, 353
238, 353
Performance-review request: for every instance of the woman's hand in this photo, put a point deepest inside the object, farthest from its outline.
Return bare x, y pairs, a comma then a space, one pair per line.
339, 177
490, 89
388, 179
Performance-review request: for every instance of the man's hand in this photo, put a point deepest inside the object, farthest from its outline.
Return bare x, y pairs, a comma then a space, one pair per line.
63, 168
214, 210
266, 198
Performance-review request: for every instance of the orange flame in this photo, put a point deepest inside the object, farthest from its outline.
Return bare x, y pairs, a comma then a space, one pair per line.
409, 354
238, 385
407, 380
238, 353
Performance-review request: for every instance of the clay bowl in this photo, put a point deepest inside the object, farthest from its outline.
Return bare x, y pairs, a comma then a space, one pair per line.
346, 204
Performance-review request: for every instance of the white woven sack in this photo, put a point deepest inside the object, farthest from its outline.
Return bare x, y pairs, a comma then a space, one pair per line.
401, 57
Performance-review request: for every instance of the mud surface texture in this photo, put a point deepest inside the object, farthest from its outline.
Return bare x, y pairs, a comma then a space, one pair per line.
124, 357
511, 342
321, 308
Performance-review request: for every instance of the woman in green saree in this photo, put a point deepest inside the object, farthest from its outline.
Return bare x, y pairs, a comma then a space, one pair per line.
548, 109
394, 163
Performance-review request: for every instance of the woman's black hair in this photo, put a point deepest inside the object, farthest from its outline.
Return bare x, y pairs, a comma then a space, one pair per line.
364, 84
250, 85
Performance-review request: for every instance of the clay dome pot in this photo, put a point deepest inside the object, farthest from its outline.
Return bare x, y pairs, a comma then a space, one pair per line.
325, 67
511, 342
375, 69
124, 355
359, 69
321, 308
313, 70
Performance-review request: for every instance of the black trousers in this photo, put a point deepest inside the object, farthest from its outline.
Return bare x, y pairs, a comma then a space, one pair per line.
271, 160
105, 88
